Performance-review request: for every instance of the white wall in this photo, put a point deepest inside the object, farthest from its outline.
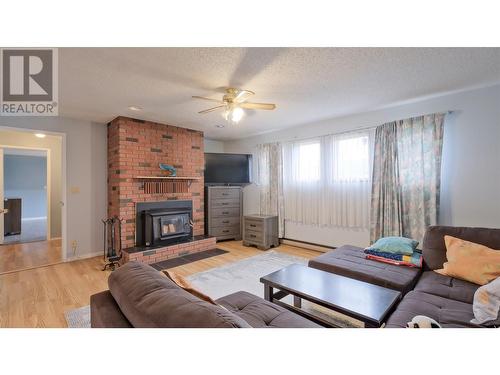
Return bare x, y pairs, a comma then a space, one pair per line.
213, 146
86, 172
470, 192
54, 144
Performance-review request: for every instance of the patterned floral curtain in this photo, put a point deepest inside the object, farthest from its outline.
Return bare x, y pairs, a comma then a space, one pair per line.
406, 177
270, 179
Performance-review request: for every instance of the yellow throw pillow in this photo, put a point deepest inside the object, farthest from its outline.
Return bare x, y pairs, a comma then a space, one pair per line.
186, 285
470, 261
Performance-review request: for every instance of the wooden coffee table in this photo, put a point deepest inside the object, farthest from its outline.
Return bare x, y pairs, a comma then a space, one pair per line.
366, 302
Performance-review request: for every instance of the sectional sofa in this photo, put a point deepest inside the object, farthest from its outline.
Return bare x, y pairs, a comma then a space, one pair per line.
446, 299
140, 296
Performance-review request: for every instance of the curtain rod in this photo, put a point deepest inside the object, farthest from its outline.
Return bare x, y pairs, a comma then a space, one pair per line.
362, 129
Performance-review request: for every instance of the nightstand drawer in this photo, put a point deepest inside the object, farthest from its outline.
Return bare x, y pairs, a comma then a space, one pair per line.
252, 236
225, 221
253, 225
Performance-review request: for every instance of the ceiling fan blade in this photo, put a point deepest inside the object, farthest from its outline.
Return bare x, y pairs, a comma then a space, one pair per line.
209, 99
242, 96
213, 109
267, 106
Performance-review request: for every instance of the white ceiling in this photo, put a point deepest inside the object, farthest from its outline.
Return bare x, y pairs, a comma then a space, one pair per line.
307, 84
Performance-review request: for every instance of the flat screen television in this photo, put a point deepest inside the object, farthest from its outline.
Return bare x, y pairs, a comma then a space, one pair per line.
227, 169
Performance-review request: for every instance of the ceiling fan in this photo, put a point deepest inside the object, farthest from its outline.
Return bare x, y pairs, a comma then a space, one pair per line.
233, 104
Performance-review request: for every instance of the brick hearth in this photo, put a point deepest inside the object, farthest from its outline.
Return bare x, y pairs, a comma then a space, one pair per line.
158, 254
135, 148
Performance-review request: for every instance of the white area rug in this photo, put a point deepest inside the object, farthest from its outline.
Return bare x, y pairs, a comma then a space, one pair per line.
78, 318
242, 275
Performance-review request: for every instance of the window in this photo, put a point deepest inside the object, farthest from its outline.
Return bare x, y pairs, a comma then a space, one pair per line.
309, 162
326, 181
352, 159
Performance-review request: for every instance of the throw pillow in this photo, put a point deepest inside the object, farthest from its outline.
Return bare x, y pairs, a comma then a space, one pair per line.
470, 261
186, 285
486, 305
395, 245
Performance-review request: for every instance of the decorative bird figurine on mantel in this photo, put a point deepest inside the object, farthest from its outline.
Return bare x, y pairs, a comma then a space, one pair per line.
168, 168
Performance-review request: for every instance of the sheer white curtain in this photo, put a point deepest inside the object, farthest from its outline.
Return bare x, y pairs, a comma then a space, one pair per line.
327, 180
270, 180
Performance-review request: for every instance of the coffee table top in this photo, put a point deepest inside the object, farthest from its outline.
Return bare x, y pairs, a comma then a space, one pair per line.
358, 299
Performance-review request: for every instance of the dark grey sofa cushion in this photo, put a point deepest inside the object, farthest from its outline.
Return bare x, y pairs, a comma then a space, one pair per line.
260, 313
434, 248
448, 313
350, 261
445, 286
148, 299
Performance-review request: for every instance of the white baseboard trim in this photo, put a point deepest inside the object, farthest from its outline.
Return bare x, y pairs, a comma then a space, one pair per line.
84, 256
305, 245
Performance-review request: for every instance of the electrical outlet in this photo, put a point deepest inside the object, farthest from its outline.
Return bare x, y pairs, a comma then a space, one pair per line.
74, 246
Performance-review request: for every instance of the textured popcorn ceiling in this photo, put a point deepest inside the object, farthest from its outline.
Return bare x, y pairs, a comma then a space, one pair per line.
307, 84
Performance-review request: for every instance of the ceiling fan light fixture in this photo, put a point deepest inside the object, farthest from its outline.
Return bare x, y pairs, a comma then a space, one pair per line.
237, 114
234, 103
233, 114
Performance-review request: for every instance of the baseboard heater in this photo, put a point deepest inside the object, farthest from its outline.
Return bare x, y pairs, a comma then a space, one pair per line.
306, 245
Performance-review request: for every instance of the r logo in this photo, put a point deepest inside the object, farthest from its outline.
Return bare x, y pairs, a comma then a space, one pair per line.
27, 75
29, 82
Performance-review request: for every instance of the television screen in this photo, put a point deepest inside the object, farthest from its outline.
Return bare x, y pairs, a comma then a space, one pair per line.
227, 168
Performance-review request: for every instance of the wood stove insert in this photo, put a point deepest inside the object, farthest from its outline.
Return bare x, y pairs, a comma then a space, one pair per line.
163, 223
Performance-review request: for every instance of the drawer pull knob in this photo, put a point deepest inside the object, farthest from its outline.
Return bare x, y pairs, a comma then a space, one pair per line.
225, 231
225, 221
253, 225
253, 235
225, 213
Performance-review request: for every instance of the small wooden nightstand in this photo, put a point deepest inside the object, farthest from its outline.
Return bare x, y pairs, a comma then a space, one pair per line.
260, 231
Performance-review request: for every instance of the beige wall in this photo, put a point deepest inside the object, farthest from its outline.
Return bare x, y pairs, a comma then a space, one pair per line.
85, 162
54, 144
470, 176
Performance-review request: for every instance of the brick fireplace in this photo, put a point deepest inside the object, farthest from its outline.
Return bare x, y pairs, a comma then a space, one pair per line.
135, 149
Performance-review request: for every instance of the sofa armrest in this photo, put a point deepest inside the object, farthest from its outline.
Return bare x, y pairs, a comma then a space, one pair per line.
105, 313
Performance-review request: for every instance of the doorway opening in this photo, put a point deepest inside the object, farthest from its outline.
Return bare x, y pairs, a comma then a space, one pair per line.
26, 195
31, 193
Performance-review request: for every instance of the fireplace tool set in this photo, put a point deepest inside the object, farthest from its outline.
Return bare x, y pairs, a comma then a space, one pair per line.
112, 242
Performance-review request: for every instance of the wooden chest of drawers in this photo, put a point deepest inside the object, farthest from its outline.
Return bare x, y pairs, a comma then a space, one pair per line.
261, 231
223, 210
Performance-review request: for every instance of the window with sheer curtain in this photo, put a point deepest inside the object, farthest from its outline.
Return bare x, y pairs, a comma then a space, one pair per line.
326, 181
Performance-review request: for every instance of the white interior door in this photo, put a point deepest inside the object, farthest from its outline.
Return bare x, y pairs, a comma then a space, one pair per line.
2, 213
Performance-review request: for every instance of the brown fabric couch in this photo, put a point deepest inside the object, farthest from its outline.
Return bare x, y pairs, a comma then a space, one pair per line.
446, 299
139, 296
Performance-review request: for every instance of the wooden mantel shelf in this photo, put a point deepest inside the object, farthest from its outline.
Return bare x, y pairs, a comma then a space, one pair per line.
166, 184
166, 178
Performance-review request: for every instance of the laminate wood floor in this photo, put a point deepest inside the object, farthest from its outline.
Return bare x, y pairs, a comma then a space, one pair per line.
20, 256
39, 297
